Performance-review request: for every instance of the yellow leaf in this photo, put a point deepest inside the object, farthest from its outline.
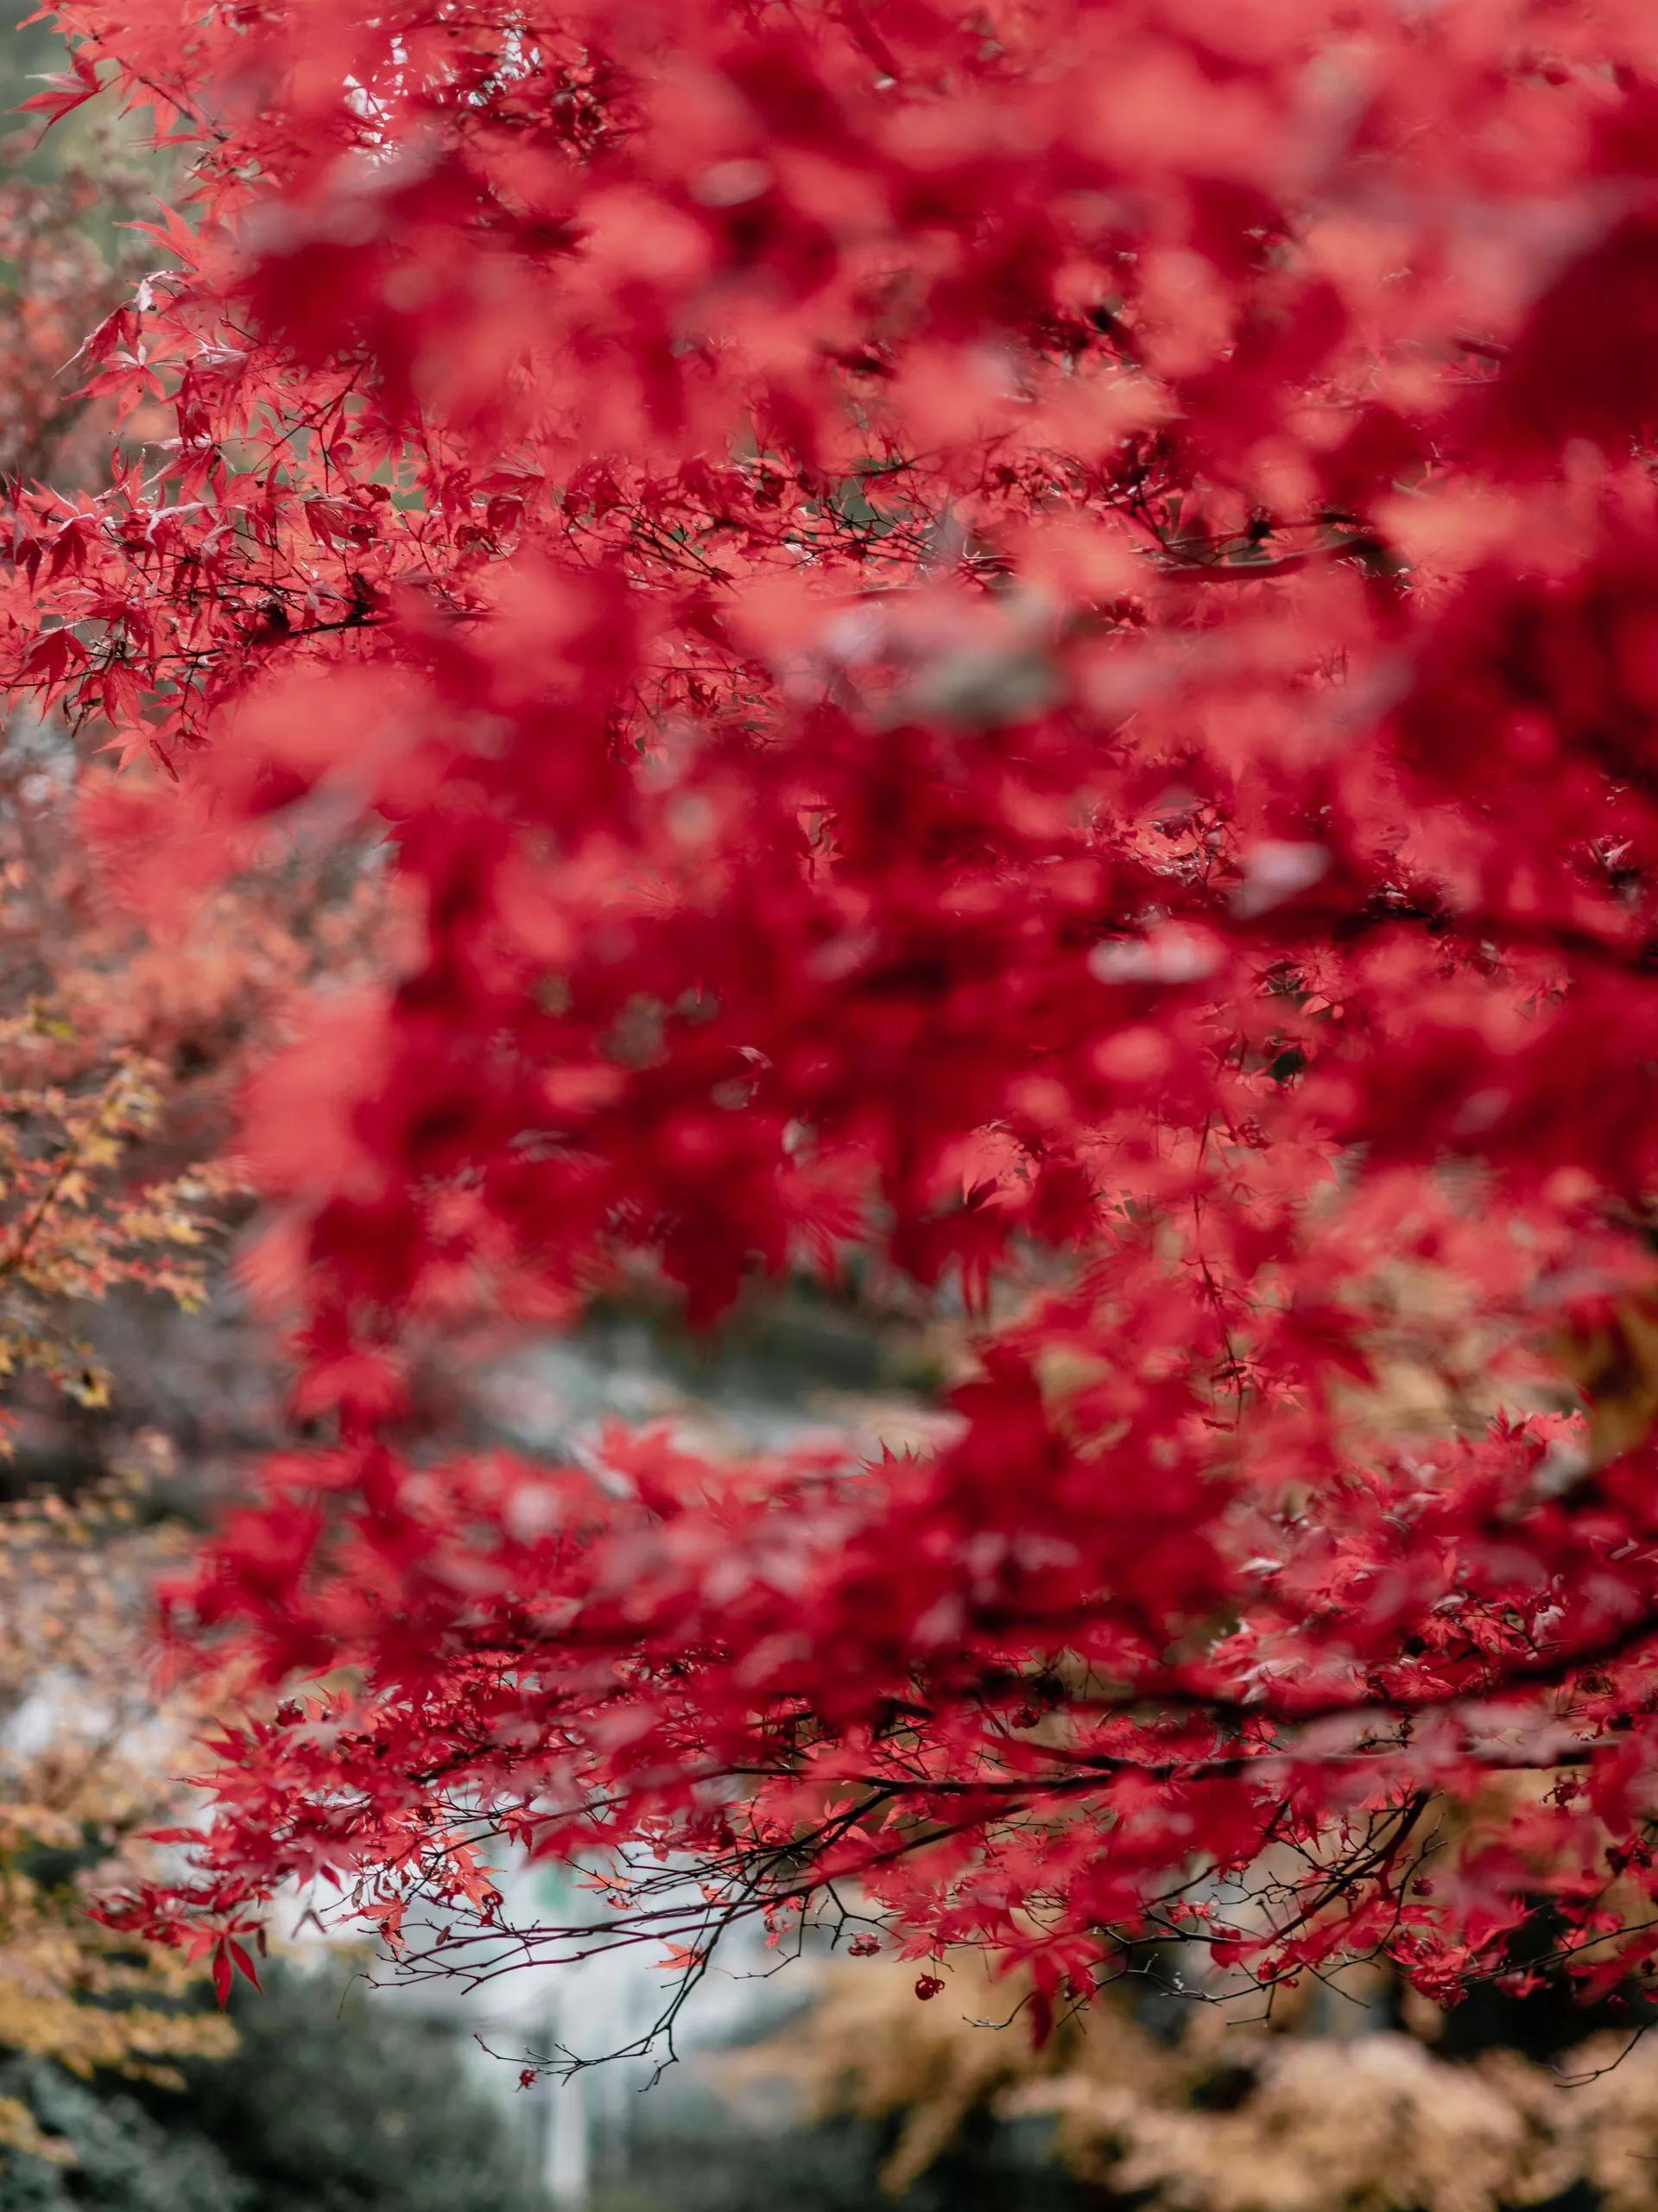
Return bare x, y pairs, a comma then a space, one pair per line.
1615, 1368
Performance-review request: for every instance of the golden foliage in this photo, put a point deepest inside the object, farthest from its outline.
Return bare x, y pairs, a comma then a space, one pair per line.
1228, 2116
85, 1754
1616, 1367
19, 2131
74, 1228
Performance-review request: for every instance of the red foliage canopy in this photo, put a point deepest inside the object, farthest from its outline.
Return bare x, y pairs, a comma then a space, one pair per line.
1020, 640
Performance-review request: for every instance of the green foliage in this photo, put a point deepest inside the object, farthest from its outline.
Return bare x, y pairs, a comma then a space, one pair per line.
323, 2107
124, 2160
345, 2108
836, 2167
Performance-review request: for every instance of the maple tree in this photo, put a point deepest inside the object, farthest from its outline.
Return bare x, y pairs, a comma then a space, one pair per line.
1005, 648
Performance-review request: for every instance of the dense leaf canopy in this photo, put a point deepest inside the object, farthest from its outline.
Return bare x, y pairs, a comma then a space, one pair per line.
1008, 648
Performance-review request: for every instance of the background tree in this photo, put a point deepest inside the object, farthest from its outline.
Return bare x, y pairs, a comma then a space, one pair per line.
85, 1756
85, 1750
117, 1058
321, 2106
1155, 2100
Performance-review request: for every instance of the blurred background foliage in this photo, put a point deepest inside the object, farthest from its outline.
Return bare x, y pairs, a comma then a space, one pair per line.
324, 2103
1358, 2101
